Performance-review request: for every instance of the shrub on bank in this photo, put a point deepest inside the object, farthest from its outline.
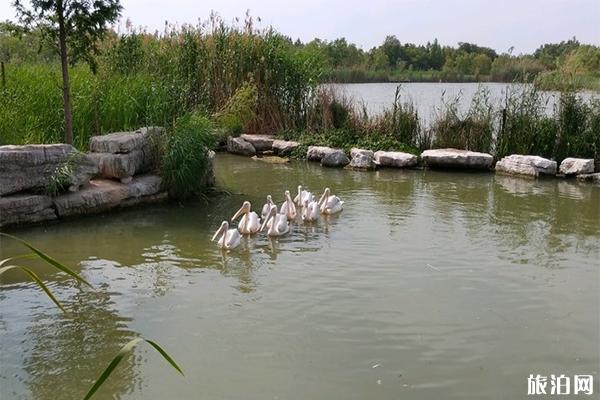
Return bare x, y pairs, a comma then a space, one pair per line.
185, 155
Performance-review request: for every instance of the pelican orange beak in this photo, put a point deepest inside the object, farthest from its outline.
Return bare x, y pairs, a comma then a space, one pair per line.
243, 209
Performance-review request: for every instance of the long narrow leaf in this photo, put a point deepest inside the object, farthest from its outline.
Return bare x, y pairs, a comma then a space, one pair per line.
36, 279
119, 357
9, 259
48, 259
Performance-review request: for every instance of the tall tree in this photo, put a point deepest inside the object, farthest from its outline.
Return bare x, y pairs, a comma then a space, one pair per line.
73, 28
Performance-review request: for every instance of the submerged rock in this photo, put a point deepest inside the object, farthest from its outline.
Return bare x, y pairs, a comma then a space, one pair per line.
284, 147
126, 142
595, 177
260, 142
396, 159
456, 158
576, 166
534, 166
30, 167
25, 209
336, 158
316, 153
237, 145
272, 159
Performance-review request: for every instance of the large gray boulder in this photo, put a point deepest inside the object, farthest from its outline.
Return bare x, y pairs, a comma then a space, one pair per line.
31, 167
237, 145
395, 159
335, 159
362, 159
126, 142
576, 166
356, 151
125, 165
534, 166
284, 148
25, 209
456, 158
260, 142
105, 194
316, 153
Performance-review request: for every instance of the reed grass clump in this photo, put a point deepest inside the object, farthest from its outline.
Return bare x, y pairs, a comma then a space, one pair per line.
185, 157
472, 131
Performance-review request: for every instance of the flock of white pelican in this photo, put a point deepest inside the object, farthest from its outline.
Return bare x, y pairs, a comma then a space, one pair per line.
277, 222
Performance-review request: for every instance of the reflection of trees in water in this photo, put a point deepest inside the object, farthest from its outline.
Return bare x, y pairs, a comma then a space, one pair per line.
70, 352
538, 219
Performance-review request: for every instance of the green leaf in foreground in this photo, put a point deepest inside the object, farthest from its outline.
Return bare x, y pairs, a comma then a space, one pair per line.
119, 357
35, 278
58, 265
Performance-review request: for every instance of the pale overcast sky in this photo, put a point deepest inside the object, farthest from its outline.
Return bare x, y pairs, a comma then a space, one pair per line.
499, 24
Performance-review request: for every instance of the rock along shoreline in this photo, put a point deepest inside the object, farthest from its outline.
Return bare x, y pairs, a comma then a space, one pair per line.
40, 183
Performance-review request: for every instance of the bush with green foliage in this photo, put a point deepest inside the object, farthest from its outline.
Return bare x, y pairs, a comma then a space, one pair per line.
239, 111
185, 156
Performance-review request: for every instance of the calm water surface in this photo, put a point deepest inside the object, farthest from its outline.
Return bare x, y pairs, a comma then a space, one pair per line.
429, 98
429, 285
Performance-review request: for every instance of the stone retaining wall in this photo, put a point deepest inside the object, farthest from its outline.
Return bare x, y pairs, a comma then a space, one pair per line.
117, 173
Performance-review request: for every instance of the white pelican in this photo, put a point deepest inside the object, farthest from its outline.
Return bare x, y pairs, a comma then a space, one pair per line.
267, 207
301, 196
330, 204
230, 238
250, 223
277, 223
310, 210
288, 208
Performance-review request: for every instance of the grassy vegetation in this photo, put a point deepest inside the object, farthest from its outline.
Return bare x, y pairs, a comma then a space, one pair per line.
185, 155
521, 125
234, 79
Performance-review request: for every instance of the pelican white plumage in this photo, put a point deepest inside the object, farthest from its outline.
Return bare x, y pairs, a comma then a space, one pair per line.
229, 238
267, 207
277, 223
250, 223
330, 204
310, 210
288, 208
301, 196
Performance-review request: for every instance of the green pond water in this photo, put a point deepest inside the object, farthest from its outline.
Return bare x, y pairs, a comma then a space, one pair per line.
429, 285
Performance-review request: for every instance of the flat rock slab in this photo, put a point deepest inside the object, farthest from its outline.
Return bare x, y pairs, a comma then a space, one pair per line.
260, 142
125, 165
316, 153
30, 167
395, 159
576, 166
237, 145
525, 165
595, 177
125, 142
456, 158
25, 209
284, 147
272, 159
335, 159
105, 194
